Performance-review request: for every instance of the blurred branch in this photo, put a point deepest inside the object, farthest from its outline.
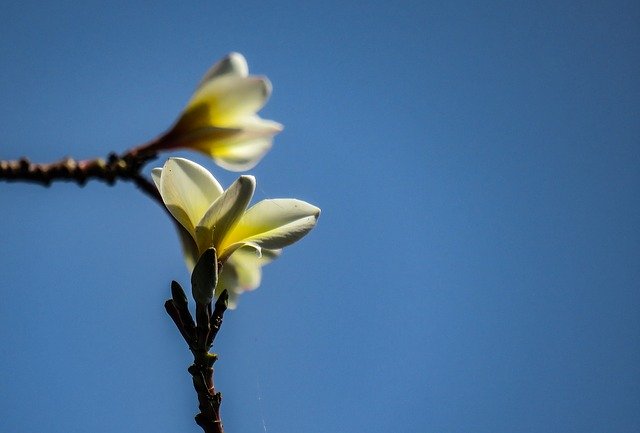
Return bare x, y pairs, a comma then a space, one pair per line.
127, 167
149, 188
124, 167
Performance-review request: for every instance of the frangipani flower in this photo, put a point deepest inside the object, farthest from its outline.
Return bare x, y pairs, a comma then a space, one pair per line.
244, 239
220, 120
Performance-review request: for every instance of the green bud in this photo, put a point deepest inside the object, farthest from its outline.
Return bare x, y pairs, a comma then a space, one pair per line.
205, 277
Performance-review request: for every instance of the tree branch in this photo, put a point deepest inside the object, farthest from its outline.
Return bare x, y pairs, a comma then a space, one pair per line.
125, 167
200, 337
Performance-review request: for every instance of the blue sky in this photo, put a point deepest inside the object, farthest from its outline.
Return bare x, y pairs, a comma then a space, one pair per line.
475, 267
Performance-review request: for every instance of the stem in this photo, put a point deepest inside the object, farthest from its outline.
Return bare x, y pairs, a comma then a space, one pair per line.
200, 338
116, 167
208, 399
125, 167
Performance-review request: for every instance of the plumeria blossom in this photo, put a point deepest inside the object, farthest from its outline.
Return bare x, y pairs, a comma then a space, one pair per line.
220, 120
245, 238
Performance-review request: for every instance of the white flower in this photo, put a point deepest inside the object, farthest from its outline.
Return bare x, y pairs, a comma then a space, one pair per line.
220, 120
244, 239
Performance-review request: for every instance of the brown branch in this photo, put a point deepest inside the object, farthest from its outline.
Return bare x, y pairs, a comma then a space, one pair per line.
200, 337
124, 167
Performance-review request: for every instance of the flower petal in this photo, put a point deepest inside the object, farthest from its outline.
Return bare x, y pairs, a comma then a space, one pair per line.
248, 266
228, 280
240, 155
236, 149
189, 248
232, 63
187, 190
248, 270
228, 99
224, 213
156, 174
230, 249
242, 272
274, 224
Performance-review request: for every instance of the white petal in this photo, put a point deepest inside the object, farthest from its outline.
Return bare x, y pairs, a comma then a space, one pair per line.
187, 190
227, 280
255, 126
230, 249
241, 155
235, 149
242, 272
230, 98
224, 213
189, 248
232, 63
268, 256
248, 266
248, 269
156, 174
274, 224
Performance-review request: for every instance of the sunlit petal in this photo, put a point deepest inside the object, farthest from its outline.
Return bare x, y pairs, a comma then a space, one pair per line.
228, 250
224, 212
235, 149
187, 190
230, 98
240, 155
275, 223
244, 239
221, 120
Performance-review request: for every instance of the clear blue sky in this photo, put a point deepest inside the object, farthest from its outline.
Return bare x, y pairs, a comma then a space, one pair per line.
476, 266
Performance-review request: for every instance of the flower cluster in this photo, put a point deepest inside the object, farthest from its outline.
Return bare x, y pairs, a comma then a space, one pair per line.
220, 120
